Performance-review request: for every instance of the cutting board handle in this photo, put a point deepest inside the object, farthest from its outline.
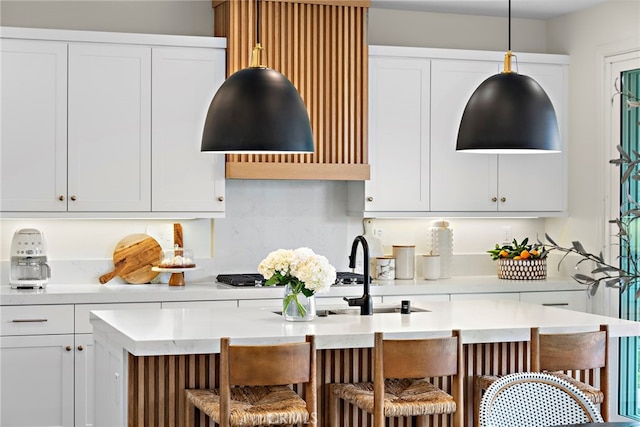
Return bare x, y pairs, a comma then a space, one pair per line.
106, 277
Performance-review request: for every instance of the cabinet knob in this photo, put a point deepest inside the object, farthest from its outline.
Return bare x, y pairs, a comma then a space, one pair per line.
80, 348
503, 199
369, 199
221, 199
494, 199
68, 348
73, 198
61, 198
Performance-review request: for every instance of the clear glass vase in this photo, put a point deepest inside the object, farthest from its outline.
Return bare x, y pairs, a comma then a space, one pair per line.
296, 307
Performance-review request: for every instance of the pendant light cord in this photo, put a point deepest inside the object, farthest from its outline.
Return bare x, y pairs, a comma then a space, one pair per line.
256, 53
509, 25
258, 21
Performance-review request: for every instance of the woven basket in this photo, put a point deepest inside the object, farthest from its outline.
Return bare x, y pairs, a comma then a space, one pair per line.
522, 269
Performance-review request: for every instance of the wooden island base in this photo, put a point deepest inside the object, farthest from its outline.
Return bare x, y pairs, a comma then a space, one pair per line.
156, 383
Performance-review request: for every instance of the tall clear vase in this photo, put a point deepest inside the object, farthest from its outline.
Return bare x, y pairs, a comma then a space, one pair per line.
296, 307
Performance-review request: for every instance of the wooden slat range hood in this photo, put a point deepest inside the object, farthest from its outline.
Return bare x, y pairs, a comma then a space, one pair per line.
321, 46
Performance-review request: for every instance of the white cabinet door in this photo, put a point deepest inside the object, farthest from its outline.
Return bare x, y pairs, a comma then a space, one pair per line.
33, 152
459, 181
398, 134
543, 175
37, 380
184, 178
109, 128
84, 380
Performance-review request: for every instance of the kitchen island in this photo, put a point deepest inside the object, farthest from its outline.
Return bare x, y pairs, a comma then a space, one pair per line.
145, 358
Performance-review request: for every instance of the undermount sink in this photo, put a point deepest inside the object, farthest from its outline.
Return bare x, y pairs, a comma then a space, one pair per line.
356, 310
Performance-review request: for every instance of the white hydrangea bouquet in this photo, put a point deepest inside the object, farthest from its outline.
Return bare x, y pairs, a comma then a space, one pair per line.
301, 269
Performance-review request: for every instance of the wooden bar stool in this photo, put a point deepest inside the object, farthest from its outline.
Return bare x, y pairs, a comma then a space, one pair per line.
255, 386
556, 354
400, 387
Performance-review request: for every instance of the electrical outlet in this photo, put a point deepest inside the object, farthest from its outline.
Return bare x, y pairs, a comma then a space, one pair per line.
505, 236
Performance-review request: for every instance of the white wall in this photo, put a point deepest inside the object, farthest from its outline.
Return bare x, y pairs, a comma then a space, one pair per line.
587, 36
442, 30
183, 17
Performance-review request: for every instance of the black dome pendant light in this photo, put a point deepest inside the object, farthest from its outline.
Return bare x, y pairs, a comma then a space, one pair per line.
509, 113
257, 110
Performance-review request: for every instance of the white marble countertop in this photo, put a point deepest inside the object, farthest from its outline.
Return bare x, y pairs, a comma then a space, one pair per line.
195, 330
119, 293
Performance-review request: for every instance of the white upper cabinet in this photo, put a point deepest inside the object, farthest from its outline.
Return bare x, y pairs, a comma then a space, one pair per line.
108, 125
109, 128
471, 182
33, 149
416, 100
398, 134
184, 178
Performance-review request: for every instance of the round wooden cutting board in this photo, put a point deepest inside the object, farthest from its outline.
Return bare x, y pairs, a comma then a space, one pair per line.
133, 258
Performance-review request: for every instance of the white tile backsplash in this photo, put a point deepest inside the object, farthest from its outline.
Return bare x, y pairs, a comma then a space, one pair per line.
261, 216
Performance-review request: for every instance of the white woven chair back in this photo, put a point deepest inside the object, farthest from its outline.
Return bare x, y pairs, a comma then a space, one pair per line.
532, 399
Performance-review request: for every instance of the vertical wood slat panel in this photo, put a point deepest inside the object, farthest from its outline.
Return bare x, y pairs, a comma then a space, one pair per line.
321, 48
156, 383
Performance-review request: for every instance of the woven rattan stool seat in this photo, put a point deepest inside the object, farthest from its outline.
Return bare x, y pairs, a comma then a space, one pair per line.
402, 397
593, 394
252, 406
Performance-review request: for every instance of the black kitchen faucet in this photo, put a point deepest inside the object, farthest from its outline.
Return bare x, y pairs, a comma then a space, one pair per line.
365, 302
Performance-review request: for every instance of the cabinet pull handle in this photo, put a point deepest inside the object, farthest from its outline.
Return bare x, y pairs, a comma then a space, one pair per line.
503, 199
494, 199
29, 320
80, 348
61, 198
369, 199
555, 304
68, 348
73, 198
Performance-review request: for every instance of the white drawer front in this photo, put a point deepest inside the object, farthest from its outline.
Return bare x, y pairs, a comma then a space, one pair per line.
513, 296
36, 320
200, 304
261, 303
571, 300
83, 325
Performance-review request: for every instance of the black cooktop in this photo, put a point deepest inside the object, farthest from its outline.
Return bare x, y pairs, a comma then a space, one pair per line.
255, 279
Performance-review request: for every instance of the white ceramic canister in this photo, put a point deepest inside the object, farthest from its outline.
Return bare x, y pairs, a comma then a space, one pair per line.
405, 256
385, 268
441, 241
431, 267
